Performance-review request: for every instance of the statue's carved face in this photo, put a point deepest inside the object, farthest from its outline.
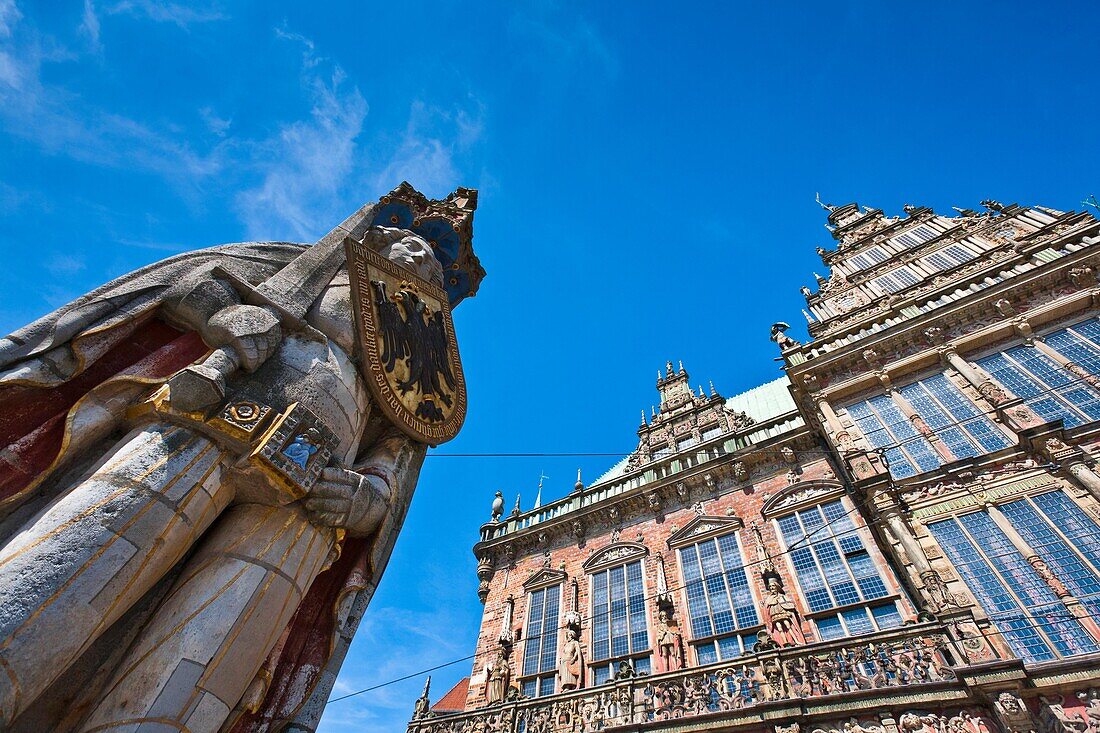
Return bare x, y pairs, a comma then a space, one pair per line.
406, 249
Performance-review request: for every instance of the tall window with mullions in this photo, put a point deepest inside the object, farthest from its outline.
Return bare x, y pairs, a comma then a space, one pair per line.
721, 606
885, 426
840, 581
1051, 391
619, 626
540, 651
957, 421
1029, 614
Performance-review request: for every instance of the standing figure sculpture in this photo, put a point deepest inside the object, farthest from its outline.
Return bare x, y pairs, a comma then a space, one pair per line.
201, 486
571, 666
498, 676
669, 644
782, 614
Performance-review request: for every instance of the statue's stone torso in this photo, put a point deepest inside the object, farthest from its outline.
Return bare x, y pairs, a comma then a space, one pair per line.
318, 373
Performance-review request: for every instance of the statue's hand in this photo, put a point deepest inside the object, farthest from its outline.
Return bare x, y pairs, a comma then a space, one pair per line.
252, 331
348, 500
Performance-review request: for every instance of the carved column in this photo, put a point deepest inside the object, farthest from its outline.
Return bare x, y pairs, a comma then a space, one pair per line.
1072, 604
921, 427
1073, 461
1020, 417
1085, 476
841, 437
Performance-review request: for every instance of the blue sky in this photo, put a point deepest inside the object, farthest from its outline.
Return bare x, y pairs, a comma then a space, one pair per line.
647, 177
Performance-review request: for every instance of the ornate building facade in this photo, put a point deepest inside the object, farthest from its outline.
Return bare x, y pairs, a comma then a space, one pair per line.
901, 534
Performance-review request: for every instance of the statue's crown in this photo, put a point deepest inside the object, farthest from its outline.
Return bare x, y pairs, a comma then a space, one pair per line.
447, 225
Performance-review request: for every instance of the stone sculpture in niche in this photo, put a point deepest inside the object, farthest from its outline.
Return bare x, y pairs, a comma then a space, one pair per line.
571, 666
670, 646
783, 616
210, 489
498, 679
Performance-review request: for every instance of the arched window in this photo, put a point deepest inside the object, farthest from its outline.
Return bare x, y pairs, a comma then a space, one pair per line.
540, 642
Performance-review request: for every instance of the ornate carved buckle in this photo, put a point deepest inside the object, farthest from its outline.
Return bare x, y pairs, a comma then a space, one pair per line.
294, 450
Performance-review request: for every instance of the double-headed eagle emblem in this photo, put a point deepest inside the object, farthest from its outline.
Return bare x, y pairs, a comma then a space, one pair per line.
407, 343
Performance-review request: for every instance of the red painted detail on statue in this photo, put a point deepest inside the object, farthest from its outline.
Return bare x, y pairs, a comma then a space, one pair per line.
298, 663
32, 419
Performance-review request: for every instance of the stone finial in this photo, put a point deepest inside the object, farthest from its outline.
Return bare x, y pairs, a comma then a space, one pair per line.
909, 209
579, 486
422, 709
516, 510
993, 205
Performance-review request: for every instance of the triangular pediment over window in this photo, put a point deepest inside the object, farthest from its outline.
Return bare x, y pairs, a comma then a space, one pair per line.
543, 578
616, 554
704, 527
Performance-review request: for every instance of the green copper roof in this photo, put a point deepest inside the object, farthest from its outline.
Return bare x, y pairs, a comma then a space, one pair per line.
764, 402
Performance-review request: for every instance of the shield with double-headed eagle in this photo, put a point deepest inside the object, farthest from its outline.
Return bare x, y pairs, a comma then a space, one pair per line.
408, 346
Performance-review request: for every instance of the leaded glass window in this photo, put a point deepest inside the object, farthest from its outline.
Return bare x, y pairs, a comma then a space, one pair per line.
897, 280
619, 626
868, 257
720, 602
919, 234
835, 570
1034, 622
604, 671
1052, 392
1065, 538
540, 653
965, 429
883, 424
948, 257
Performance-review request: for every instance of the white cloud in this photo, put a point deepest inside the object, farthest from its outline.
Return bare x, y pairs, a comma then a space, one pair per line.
304, 166
63, 123
89, 24
425, 153
166, 12
9, 16
217, 125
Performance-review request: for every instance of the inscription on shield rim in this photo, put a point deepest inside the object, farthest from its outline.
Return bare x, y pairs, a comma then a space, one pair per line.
407, 345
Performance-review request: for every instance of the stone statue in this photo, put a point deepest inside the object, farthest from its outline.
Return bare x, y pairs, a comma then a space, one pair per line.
782, 614
498, 679
780, 337
571, 666
498, 506
200, 493
669, 644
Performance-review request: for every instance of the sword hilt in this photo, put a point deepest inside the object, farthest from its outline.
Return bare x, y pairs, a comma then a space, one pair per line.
198, 386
